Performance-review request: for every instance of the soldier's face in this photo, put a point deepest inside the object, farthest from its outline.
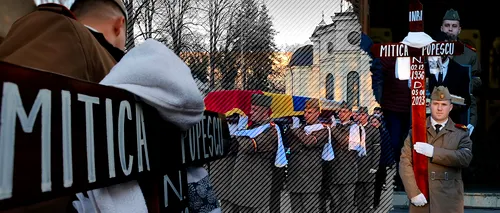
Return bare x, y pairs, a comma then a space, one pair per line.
259, 113
344, 114
363, 118
452, 28
440, 110
355, 116
375, 122
311, 115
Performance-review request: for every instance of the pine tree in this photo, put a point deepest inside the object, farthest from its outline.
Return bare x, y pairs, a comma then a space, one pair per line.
248, 38
263, 47
249, 47
231, 51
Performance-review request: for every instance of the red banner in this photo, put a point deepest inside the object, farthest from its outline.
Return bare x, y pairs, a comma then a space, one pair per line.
419, 133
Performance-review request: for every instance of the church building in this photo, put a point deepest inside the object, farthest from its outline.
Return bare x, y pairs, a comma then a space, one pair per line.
334, 66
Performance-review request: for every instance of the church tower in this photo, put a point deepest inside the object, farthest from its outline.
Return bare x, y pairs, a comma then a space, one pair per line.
334, 66
344, 67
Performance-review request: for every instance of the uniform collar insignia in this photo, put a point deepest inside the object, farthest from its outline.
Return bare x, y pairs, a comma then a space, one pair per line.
461, 126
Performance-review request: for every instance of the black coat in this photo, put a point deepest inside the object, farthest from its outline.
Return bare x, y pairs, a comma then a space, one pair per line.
457, 81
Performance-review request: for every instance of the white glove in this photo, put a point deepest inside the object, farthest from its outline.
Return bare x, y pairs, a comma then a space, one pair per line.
66, 3
83, 204
361, 150
470, 127
311, 128
424, 149
295, 123
334, 121
419, 200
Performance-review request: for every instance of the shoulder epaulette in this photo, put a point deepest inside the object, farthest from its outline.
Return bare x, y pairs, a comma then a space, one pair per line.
461, 126
470, 47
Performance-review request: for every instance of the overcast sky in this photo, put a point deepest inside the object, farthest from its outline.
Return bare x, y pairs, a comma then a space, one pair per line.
295, 20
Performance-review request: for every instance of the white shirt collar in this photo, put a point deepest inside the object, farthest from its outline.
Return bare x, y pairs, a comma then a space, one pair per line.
434, 122
443, 68
445, 63
92, 28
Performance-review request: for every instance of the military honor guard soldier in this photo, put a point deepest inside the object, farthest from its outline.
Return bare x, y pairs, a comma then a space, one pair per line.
449, 150
221, 171
340, 174
451, 25
257, 176
368, 160
311, 143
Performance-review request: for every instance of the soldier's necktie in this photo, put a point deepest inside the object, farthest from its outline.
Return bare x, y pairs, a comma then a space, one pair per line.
360, 135
440, 78
438, 126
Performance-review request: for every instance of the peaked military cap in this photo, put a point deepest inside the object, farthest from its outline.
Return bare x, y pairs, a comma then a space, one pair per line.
451, 14
261, 100
440, 93
312, 103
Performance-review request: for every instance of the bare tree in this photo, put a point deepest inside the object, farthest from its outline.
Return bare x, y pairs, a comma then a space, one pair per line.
231, 51
144, 18
177, 22
217, 15
129, 4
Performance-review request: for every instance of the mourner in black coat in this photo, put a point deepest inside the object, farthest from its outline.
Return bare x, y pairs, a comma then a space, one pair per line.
453, 76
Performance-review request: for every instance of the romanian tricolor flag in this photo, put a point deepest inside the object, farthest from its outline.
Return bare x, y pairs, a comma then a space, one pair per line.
299, 103
230, 101
283, 105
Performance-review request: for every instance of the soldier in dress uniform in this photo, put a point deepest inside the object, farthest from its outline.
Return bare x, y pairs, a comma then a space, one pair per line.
451, 26
449, 150
257, 182
341, 173
310, 145
368, 161
221, 171
385, 174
